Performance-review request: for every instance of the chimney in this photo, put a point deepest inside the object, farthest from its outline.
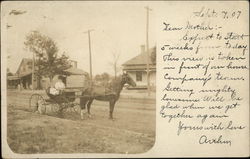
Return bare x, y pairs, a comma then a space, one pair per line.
142, 49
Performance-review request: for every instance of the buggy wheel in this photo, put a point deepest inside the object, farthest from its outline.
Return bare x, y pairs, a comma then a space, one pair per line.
58, 108
64, 107
37, 103
69, 107
77, 109
55, 107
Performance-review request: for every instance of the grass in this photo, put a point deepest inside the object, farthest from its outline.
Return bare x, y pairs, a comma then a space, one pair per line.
33, 133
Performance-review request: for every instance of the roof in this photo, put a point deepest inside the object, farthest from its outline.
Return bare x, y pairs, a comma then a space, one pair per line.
25, 73
75, 71
25, 61
12, 78
138, 67
141, 59
28, 71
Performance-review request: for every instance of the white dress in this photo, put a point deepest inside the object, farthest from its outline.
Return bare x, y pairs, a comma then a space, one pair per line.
58, 86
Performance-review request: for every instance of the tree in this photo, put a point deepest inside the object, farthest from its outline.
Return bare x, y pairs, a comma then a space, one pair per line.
9, 73
47, 62
98, 77
153, 55
102, 79
105, 77
114, 62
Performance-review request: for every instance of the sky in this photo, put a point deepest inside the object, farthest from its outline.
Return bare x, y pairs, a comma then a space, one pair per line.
119, 27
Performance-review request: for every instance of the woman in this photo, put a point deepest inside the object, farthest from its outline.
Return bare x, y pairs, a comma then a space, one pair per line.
57, 92
58, 88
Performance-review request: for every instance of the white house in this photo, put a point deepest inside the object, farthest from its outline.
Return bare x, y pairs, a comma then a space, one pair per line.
137, 68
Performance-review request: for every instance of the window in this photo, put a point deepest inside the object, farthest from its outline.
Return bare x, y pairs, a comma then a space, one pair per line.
138, 76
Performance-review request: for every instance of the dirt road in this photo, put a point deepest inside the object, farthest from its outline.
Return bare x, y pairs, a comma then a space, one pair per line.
133, 130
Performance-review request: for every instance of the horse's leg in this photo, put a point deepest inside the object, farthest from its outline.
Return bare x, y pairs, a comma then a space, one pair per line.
88, 106
83, 102
111, 108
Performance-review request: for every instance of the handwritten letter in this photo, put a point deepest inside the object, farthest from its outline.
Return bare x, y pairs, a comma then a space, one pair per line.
204, 70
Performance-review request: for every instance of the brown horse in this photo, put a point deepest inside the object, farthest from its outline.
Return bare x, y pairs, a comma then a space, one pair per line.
110, 93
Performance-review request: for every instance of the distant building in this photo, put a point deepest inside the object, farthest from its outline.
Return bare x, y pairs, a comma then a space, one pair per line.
24, 73
23, 77
137, 68
12, 82
76, 77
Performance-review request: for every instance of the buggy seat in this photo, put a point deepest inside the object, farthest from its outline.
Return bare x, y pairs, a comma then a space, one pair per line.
69, 95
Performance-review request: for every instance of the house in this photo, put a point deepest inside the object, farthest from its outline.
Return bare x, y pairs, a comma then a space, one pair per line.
24, 73
73, 77
23, 77
76, 78
137, 68
12, 81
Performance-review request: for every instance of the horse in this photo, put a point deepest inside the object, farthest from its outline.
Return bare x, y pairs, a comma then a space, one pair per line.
109, 93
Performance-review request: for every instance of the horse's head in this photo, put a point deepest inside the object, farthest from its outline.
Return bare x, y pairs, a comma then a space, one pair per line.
127, 79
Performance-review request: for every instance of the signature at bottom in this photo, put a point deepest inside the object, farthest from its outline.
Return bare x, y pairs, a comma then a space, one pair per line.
218, 140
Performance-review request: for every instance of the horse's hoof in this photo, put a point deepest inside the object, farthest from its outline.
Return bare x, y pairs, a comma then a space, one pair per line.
89, 116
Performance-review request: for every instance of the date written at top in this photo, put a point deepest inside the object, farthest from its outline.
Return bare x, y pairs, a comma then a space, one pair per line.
212, 13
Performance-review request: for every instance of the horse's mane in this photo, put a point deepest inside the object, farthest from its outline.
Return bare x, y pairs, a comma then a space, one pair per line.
115, 83
117, 79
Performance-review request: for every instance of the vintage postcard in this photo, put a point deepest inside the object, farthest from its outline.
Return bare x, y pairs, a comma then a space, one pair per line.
83, 79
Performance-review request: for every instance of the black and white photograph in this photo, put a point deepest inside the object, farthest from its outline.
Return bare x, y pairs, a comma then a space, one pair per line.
124, 79
80, 77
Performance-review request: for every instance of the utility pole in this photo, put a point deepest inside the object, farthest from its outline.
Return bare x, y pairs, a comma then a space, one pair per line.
147, 45
33, 71
90, 56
